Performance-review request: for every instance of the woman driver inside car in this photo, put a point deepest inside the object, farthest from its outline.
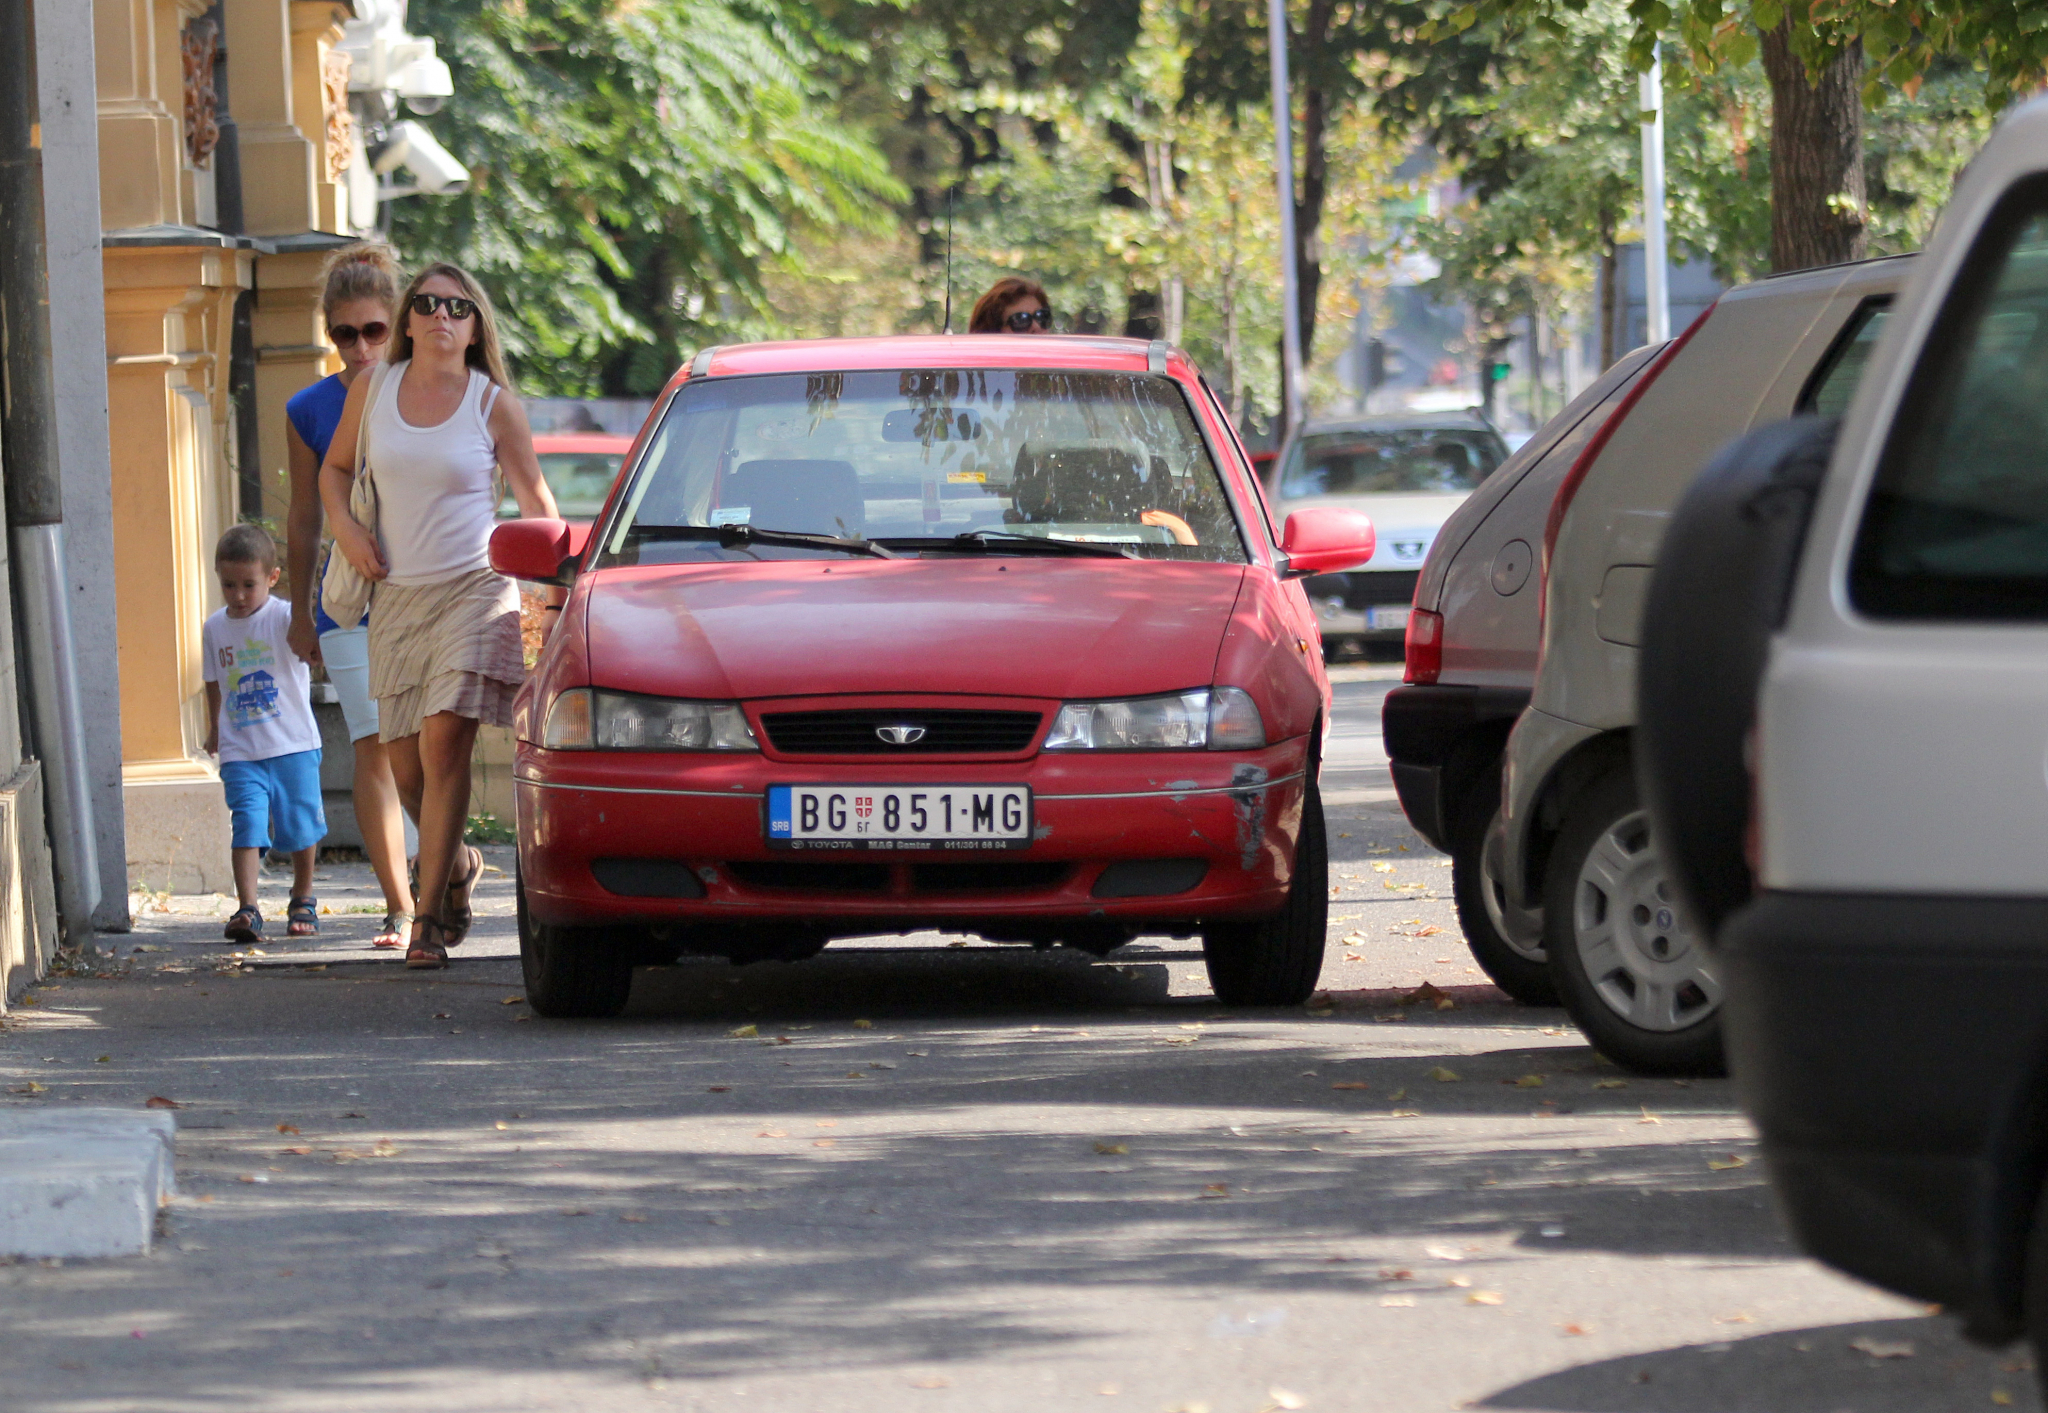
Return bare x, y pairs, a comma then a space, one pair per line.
1013, 305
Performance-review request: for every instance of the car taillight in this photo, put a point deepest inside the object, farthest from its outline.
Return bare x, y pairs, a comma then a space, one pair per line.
1425, 646
1597, 443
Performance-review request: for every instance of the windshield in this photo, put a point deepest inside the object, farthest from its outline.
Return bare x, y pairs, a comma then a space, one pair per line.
1412, 460
917, 458
580, 480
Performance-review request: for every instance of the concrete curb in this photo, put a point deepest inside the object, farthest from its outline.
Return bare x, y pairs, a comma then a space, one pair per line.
81, 1183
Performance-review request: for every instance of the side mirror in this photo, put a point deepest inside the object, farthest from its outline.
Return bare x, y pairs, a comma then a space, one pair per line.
541, 551
1326, 540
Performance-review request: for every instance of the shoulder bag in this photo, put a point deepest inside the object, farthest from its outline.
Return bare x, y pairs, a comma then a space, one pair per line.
344, 592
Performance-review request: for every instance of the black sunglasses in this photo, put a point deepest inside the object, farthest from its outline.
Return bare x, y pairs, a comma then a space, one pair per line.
345, 335
1022, 320
425, 305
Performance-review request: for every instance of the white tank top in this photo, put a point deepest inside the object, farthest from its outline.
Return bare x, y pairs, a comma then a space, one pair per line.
437, 498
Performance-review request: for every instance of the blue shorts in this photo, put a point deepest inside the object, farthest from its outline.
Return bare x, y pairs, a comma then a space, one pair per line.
275, 803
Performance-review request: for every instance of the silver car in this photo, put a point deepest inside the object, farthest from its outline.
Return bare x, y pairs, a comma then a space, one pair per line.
1408, 472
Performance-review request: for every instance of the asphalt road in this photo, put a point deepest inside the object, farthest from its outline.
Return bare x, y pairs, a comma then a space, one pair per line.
920, 1174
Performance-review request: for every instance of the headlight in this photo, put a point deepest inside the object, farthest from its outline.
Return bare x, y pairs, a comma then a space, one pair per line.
1222, 719
585, 719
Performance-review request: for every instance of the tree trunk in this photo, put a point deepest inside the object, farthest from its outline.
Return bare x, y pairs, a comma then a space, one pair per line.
1308, 214
1816, 155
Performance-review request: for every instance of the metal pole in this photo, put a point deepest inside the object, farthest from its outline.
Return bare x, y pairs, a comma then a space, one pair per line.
35, 492
1656, 266
1283, 162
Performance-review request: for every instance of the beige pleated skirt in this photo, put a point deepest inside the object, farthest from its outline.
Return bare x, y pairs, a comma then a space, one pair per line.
450, 647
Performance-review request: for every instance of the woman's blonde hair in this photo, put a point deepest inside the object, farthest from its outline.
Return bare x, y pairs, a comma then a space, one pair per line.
485, 353
366, 270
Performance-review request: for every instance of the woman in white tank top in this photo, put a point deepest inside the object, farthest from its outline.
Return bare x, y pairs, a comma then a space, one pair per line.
445, 653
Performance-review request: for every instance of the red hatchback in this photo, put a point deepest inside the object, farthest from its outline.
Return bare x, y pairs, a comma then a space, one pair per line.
984, 634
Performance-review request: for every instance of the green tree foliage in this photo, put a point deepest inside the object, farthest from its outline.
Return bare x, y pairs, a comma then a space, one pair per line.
636, 166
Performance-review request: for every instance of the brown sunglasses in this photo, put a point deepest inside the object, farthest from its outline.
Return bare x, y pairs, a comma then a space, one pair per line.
345, 335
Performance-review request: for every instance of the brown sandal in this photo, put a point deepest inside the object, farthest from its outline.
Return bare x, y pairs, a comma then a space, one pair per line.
455, 903
427, 952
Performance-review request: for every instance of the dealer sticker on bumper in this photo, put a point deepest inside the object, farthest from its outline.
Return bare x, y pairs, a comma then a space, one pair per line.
899, 816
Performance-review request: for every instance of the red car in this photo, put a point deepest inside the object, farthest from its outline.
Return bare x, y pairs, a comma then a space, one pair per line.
987, 634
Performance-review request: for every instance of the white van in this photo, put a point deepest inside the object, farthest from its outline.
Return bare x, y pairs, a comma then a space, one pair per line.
1883, 671
1545, 564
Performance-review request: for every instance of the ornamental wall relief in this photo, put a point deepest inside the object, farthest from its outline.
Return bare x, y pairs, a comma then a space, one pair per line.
197, 42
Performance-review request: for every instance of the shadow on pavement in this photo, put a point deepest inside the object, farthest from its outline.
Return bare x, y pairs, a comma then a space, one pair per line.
1927, 1365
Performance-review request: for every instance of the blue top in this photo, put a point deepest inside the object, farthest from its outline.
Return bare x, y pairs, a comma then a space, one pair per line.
315, 412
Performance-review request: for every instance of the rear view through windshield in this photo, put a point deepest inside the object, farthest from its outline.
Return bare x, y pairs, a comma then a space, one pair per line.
1408, 461
1957, 524
925, 458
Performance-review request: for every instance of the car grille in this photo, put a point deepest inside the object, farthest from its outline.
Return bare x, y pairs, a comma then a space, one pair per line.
1391, 586
951, 731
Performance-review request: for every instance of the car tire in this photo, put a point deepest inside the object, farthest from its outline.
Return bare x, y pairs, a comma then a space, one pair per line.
1276, 961
1521, 971
572, 973
1640, 984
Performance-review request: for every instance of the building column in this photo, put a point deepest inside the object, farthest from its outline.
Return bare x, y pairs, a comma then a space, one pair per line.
169, 321
78, 337
279, 164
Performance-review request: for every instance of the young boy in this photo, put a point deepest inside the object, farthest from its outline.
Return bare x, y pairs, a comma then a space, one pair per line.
259, 713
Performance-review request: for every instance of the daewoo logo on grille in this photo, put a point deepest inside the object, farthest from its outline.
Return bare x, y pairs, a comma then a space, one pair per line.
900, 735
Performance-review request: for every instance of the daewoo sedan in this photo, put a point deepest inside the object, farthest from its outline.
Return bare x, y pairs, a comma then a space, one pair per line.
989, 634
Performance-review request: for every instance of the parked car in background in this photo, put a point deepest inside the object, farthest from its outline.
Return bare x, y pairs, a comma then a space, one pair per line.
1845, 753
579, 468
1544, 568
1406, 471
877, 635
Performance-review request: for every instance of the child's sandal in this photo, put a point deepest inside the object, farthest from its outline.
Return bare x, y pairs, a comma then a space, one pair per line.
245, 925
302, 917
392, 934
429, 951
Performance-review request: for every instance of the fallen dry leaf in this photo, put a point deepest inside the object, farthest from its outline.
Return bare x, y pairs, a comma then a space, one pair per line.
1350, 1084
444, 1015
575, 1211
510, 1000
935, 1382
1397, 1302
1527, 1081
1404, 1113
744, 1032
1444, 1253
1578, 1329
30, 1088
863, 1025
1281, 1398
824, 1142
631, 1217
286, 1128
2000, 1397
1610, 1084
717, 1089
1484, 1297
771, 1133
298, 1152
1382, 867
1733, 1160
1648, 1117
1883, 1348
1216, 1189
157, 1101
1444, 1076
1740, 1317
1112, 1150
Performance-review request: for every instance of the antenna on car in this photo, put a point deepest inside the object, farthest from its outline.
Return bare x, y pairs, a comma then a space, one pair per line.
949, 257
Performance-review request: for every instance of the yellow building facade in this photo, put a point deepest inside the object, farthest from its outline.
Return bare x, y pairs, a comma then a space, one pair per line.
207, 329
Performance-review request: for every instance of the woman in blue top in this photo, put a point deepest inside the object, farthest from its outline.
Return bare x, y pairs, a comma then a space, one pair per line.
361, 293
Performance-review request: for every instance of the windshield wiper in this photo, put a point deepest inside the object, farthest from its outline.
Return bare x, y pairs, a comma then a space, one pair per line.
1013, 540
742, 536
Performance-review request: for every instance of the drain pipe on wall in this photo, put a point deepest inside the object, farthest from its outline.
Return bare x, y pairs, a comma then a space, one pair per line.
35, 496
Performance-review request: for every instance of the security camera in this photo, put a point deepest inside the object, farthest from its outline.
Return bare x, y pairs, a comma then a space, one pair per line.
434, 168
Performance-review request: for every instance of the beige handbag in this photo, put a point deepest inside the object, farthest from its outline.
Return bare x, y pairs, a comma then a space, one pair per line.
344, 592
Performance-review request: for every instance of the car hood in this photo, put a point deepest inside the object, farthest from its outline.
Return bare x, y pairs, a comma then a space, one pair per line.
1003, 626
1404, 526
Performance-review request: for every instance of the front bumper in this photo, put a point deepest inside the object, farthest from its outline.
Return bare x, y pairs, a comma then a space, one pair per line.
1894, 1053
1362, 603
684, 837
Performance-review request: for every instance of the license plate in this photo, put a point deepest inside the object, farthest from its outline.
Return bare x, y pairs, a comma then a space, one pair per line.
899, 816
1387, 617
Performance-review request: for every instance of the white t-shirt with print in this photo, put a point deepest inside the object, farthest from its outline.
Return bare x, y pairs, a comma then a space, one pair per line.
266, 691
